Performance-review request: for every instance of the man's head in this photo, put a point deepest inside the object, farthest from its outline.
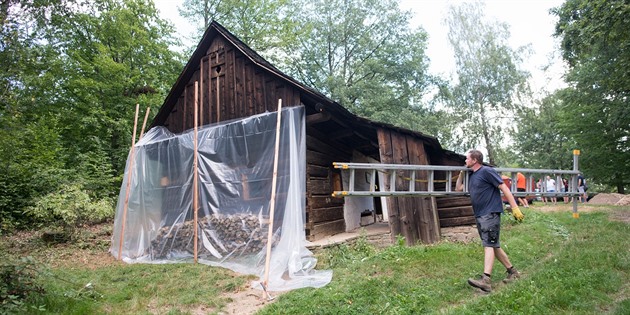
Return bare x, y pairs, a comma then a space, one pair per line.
474, 157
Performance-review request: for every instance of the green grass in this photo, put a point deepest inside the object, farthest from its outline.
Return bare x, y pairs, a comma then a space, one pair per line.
569, 266
138, 289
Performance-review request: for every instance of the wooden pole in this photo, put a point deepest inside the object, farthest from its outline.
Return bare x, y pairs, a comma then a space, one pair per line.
196, 173
129, 177
144, 123
272, 205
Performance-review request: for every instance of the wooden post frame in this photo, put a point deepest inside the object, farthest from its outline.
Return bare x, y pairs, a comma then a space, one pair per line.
129, 177
144, 123
272, 204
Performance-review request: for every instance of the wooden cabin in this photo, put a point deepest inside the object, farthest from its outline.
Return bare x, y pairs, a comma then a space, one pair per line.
236, 82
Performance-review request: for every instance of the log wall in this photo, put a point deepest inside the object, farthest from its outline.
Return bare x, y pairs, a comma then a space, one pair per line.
324, 213
454, 211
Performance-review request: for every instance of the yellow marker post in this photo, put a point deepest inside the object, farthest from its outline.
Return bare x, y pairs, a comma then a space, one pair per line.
576, 154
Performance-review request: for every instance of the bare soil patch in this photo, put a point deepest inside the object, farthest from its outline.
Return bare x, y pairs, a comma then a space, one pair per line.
247, 301
606, 199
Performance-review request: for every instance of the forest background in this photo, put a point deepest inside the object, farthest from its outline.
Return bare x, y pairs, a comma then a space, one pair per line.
72, 73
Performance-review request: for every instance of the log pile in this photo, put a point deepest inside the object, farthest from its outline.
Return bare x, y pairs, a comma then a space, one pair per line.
219, 236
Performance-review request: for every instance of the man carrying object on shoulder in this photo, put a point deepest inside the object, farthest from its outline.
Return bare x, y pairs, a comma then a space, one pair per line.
485, 187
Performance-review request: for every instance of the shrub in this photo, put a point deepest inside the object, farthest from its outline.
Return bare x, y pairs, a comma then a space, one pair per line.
18, 282
70, 208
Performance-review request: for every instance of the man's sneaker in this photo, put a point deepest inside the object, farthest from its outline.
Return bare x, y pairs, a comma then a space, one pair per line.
482, 283
511, 276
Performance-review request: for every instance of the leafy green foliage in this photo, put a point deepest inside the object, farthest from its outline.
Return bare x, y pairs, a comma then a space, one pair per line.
343, 254
541, 138
490, 79
19, 281
364, 55
70, 208
73, 73
596, 105
263, 25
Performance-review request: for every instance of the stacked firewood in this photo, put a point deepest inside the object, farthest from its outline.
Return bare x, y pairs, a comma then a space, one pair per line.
219, 236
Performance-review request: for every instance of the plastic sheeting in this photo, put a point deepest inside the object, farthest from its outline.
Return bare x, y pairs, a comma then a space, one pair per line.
235, 173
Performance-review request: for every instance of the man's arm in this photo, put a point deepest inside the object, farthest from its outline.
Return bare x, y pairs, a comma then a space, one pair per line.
459, 186
508, 195
516, 212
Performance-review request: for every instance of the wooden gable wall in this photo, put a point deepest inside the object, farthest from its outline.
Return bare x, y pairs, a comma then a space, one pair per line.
231, 86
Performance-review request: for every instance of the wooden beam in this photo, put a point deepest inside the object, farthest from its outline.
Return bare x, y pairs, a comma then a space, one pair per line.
448, 222
321, 230
317, 118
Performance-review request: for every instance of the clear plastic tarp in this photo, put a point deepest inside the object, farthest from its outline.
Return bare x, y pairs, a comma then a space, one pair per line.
235, 174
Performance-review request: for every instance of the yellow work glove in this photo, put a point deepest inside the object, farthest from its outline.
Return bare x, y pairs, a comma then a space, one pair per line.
518, 215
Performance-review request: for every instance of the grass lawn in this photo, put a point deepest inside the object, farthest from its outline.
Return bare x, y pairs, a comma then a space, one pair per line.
569, 266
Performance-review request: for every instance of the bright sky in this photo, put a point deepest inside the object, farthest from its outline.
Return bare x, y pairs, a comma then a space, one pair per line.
529, 20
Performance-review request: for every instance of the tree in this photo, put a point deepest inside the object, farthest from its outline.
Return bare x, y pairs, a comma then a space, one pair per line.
595, 43
541, 140
364, 55
74, 72
261, 24
490, 82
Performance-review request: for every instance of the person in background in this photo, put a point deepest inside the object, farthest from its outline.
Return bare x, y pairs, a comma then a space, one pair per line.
551, 187
565, 188
540, 188
521, 186
582, 188
485, 187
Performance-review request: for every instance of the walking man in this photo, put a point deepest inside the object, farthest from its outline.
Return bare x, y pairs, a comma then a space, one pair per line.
485, 187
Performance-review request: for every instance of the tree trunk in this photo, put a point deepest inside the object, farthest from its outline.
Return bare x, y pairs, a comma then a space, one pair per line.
486, 136
620, 183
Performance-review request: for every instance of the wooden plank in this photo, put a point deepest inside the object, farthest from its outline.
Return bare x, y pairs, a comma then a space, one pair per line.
317, 133
209, 84
318, 231
319, 186
317, 158
407, 208
230, 93
317, 145
270, 94
316, 202
448, 202
427, 217
434, 229
249, 89
386, 156
185, 108
462, 211
324, 214
318, 171
448, 222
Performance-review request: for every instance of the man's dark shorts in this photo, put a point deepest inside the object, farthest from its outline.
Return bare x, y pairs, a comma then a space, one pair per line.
489, 227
